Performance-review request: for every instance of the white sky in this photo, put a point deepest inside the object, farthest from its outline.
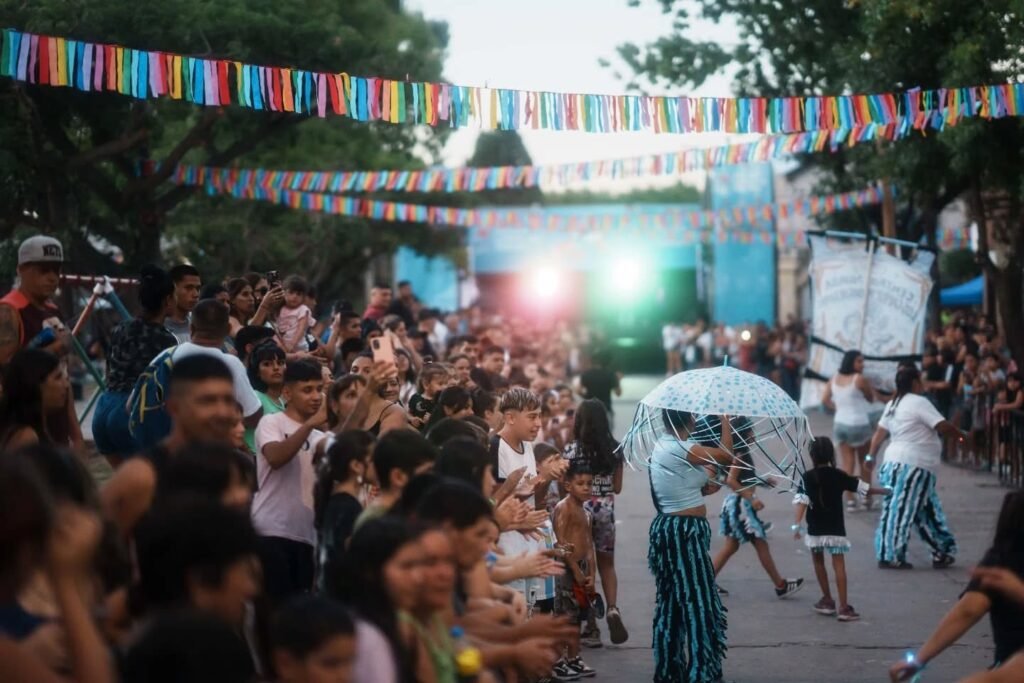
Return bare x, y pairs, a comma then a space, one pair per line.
555, 45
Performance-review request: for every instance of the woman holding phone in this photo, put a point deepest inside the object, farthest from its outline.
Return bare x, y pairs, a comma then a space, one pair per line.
384, 412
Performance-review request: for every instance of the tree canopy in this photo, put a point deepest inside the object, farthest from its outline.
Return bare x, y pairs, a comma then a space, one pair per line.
93, 168
826, 47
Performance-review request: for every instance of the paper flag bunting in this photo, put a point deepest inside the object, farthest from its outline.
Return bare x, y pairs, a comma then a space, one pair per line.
750, 222
64, 62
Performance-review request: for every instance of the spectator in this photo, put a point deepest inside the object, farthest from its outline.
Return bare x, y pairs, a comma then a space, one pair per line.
35, 388
33, 532
984, 597
265, 369
595, 447
187, 285
454, 402
285, 442
215, 290
342, 475
404, 304
380, 300
398, 457
187, 645
380, 577
201, 405
248, 309
248, 338
29, 319
133, 344
149, 422
600, 381
313, 639
294, 319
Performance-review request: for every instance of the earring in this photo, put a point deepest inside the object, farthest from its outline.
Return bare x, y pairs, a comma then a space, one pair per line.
359, 479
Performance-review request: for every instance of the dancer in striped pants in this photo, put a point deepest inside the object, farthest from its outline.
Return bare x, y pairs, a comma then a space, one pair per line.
689, 619
911, 461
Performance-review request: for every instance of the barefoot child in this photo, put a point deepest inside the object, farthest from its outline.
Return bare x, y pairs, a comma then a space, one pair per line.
821, 498
740, 521
575, 591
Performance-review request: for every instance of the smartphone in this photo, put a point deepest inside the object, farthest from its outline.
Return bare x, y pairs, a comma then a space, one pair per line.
383, 350
273, 279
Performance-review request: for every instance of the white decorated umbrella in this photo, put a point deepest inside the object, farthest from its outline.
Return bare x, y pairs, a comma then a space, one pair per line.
768, 425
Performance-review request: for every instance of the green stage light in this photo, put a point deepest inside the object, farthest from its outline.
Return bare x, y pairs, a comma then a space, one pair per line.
628, 278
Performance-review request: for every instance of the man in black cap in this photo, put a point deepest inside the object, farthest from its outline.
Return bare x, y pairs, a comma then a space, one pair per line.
29, 319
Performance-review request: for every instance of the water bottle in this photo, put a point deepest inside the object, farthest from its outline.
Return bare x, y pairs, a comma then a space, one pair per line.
43, 339
468, 660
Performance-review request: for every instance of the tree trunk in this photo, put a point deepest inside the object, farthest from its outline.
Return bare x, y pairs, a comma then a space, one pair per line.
1005, 226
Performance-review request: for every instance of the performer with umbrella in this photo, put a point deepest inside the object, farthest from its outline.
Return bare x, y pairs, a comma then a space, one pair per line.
674, 435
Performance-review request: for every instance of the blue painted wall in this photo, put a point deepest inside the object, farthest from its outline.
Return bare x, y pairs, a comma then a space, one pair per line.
434, 279
744, 274
505, 250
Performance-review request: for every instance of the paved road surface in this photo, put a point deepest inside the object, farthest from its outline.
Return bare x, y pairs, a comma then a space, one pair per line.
783, 641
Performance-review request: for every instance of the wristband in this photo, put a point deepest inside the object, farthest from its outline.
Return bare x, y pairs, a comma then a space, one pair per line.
796, 527
869, 458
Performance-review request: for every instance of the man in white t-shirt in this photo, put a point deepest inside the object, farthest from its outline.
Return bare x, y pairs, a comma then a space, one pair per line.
911, 461
282, 510
513, 451
671, 342
210, 325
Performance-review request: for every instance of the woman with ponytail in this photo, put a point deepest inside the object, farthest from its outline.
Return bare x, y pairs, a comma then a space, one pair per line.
911, 461
343, 471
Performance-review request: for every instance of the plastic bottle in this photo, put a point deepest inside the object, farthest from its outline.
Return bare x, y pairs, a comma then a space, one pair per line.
469, 663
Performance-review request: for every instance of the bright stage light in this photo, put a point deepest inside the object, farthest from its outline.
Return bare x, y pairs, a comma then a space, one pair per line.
545, 282
627, 278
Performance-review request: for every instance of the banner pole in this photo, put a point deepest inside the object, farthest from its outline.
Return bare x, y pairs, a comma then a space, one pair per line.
867, 292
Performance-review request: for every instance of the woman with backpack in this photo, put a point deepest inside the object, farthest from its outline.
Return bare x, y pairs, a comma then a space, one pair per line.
133, 344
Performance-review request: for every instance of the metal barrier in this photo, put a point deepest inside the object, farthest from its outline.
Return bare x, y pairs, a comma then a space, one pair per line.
994, 440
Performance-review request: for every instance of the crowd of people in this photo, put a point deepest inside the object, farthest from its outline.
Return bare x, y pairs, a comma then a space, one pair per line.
777, 352
386, 495
398, 494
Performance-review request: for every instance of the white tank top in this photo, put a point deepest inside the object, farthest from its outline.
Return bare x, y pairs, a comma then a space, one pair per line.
851, 407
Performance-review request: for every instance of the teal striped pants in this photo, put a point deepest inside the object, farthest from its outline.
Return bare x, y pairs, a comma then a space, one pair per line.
689, 618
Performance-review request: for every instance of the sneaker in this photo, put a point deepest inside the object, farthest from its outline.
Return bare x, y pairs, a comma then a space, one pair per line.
942, 561
848, 614
826, 606
597, 604
902, 564
582, 669
791, 586
564, 672
722, 591
616, 629
591, 638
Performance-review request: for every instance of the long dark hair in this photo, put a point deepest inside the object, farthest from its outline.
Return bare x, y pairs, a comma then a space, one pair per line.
846, 366
593, 438
235, 287
823, 454
1009, 539
348, 447
337, 388
360, 583
905, 378
22, 401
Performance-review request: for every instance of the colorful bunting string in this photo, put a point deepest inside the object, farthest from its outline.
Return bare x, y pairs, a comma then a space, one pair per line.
679, 223
57, 61
466, 179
